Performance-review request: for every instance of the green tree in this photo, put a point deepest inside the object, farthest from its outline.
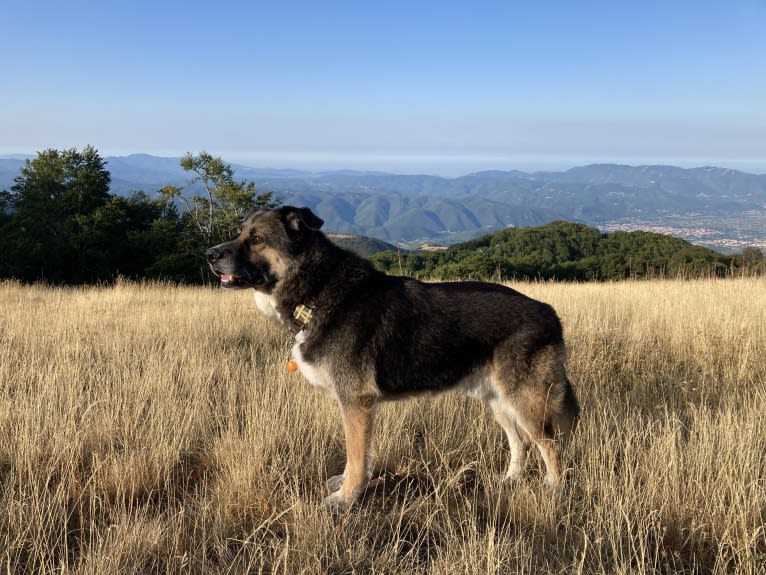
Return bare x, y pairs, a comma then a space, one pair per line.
753, 260
7, 235
215, 214
53, 235
141, 238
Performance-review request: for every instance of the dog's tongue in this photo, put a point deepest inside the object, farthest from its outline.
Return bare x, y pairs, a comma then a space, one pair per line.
226, 278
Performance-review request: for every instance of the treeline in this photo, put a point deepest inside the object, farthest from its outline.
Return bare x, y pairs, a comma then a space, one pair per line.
570, 252
60, 224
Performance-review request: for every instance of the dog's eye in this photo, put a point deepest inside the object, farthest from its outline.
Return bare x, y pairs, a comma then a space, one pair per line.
255, 239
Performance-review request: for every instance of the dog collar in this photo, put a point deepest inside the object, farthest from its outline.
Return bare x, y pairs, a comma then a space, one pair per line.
302, 315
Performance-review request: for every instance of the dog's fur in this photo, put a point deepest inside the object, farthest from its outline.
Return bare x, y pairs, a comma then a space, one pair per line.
375, 337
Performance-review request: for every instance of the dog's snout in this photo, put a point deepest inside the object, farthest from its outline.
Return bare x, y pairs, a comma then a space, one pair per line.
214, 254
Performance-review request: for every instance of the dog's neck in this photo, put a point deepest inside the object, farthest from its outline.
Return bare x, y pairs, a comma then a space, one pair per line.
316, 283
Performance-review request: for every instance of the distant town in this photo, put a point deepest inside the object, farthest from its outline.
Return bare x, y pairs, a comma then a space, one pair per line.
749, 229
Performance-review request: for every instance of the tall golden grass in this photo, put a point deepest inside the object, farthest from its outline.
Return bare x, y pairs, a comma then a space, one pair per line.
151, 428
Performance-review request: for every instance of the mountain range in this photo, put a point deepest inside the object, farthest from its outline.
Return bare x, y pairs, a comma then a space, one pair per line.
718, 207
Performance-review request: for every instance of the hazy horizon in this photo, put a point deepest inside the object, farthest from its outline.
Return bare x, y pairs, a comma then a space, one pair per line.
446, 167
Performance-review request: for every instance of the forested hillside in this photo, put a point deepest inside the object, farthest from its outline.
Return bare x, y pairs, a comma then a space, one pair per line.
566, 251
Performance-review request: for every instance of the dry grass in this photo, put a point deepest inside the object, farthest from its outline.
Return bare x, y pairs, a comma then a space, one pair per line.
147, 428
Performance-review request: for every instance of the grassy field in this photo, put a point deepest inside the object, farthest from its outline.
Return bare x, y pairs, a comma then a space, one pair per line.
148, 428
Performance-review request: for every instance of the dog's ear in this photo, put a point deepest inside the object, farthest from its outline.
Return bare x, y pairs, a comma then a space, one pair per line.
302, 217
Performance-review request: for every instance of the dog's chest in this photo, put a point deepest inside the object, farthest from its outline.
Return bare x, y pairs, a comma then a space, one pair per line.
268, 306
316, 372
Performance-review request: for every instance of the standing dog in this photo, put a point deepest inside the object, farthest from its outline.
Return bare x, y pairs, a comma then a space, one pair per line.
362, 336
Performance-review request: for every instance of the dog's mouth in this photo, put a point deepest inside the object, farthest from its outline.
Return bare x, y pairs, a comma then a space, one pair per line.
238, 282
228, 280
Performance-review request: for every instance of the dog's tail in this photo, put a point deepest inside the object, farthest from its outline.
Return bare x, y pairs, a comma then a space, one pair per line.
566, 418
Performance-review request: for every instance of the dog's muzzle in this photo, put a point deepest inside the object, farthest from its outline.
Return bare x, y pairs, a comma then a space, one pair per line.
218, 255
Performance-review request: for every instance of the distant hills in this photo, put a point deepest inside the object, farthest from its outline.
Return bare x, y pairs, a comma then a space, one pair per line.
721, 208
362, 245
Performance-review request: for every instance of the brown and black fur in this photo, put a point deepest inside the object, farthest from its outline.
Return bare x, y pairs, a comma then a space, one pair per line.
375, 337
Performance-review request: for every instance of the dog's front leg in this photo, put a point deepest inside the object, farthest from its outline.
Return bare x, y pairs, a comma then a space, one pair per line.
358, 420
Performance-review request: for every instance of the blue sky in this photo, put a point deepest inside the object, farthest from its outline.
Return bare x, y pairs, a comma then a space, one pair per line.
435, 87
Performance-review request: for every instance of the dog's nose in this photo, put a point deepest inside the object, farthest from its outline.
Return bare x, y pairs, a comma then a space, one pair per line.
213, 254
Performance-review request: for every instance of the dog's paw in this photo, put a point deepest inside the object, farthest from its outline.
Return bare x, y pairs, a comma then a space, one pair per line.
513, 475
507, 480
336, 504
555, 485
335, 482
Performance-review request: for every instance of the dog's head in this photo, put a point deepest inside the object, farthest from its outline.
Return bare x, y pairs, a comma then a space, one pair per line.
268, 245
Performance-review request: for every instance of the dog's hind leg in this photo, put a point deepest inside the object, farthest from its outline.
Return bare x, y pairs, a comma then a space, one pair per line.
548, 412
541, 401
550, 449
518, 444
358, 421
526, 420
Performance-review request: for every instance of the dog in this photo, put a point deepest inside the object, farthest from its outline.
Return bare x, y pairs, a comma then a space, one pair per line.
362, 337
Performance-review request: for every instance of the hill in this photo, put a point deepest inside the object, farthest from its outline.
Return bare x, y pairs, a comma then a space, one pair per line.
362, 245
563, 251
720, 208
